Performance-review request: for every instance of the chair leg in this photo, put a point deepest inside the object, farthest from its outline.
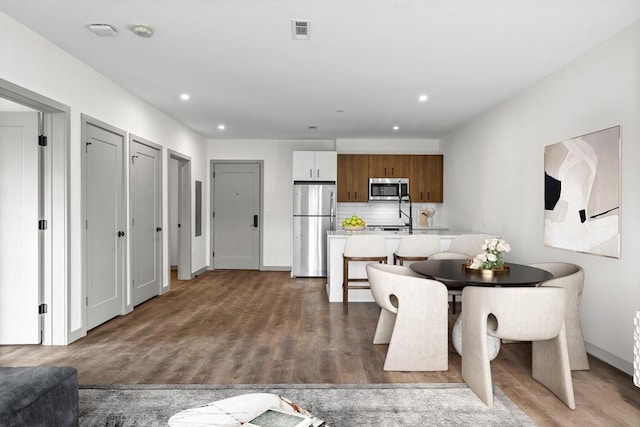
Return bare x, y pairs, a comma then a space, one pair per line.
386, 322
551, 368
345, 284
476, 370
575, 340
412, 346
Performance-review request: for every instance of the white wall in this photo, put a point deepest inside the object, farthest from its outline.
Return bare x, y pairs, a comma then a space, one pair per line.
496, 182
388, 146
35, 64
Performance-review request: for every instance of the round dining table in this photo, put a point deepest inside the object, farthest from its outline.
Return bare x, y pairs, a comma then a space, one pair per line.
455, 271
448, 270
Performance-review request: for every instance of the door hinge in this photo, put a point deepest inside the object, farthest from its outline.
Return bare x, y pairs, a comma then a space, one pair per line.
213, 254
214, 174
42, 140
42, 308
133, 159
214, 214
86, 301
42, 224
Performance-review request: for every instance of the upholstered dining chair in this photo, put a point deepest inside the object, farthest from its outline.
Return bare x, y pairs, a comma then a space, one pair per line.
413, 318
360, 248
532, 314
571, 278
454, 289
416, 247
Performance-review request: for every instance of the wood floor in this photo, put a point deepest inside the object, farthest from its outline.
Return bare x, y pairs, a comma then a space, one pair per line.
264, 327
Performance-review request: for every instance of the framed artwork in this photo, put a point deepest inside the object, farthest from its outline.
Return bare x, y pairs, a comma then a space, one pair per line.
582, 193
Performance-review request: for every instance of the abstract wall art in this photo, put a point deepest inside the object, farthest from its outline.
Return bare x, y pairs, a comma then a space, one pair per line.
582, 193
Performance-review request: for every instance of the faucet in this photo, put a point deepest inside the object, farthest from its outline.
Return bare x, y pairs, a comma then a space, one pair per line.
400, 212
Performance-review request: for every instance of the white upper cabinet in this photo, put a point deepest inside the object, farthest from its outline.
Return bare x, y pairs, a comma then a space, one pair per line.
315, 165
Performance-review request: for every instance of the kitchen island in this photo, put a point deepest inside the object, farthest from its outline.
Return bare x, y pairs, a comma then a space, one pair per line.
335, 248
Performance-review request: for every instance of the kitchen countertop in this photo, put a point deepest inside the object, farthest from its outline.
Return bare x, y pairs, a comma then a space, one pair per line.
336, 241
438, 231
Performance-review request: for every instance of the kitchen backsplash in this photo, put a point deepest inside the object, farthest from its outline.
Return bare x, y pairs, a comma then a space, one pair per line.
385, 213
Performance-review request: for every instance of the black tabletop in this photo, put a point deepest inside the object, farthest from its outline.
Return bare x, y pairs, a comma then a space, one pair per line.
518, 274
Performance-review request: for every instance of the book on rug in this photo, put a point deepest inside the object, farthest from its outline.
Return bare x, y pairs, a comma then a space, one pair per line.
276, 417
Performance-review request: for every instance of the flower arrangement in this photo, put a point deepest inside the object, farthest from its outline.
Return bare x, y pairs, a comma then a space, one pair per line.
428, 213
491, 258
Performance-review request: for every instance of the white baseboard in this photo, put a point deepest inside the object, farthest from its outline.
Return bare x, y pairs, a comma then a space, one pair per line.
613, 360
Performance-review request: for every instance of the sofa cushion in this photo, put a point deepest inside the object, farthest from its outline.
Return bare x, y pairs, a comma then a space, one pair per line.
38, 396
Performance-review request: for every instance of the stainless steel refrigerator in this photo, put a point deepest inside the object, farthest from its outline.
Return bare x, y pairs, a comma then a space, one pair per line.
313, 215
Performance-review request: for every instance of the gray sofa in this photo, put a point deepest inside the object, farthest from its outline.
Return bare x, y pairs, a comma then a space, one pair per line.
38, 396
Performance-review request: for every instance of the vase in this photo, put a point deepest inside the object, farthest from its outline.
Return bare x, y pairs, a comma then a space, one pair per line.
489, 272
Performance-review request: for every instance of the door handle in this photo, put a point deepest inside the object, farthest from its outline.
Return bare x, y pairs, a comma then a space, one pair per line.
120, 233
255, 220
158, 229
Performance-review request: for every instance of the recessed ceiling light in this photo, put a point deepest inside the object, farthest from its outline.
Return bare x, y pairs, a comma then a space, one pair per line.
396, 127
103, 30
423, 98
142, 30
221, 127
185, 96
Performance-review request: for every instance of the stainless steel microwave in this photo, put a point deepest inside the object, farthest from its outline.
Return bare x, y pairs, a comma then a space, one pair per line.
388, 188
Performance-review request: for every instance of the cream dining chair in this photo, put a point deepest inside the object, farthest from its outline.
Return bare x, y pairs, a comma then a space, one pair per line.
571, 278
530, 314
413, 318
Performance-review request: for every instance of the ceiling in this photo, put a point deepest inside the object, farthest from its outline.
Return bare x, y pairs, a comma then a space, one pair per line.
358, 75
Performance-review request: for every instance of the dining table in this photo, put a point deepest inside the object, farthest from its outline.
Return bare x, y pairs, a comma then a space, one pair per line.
456, 271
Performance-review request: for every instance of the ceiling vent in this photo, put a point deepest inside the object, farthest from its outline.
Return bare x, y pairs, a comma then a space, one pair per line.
103, 30
300, 29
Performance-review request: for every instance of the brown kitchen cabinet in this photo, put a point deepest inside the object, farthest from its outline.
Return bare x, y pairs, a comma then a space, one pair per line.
388, 165
353, 178
425, 178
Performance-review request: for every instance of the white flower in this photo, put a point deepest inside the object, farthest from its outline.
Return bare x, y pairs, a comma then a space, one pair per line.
503, 246
492, 255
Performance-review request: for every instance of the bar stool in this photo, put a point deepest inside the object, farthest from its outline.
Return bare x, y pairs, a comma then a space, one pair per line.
360, 248
416, 247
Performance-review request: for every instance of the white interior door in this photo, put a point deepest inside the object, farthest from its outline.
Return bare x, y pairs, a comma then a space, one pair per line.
105, 238
236, 207
146, 221
19, 249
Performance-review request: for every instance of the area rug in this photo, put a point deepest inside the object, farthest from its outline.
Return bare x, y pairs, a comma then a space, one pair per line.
339, 405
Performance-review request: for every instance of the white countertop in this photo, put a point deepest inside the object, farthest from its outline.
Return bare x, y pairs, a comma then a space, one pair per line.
438, 231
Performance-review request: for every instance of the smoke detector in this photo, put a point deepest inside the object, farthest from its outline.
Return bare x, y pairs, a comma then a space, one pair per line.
103, 30
300, 29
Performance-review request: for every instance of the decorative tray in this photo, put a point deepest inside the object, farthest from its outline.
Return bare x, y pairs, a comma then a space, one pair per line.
504, 270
